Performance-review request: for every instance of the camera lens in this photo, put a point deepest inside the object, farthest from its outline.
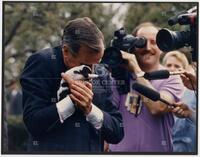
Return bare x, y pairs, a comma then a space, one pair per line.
171, 40
164, 40
140, 42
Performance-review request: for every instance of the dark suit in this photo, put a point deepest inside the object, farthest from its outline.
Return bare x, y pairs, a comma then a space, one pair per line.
40, 81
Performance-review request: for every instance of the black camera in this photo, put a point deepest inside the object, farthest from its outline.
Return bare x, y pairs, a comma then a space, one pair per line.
113, 57
168, 40
121, 41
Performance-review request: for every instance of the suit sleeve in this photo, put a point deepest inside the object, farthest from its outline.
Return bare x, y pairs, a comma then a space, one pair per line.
39, 111
112, 128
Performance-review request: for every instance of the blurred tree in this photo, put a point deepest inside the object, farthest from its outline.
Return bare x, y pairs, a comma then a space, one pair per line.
158, 13
101, 15
32, 26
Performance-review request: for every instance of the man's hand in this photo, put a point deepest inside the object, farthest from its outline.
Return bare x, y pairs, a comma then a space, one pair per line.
132, 64
186, 77
75, 73
181, 110
81, 93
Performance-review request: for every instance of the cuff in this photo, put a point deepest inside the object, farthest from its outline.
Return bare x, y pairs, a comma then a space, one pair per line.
65, 108
95, 117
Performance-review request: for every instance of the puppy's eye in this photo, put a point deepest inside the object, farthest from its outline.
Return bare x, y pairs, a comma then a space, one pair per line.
65, 84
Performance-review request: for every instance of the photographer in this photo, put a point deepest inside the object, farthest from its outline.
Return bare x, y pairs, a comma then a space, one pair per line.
147, 124
85, 117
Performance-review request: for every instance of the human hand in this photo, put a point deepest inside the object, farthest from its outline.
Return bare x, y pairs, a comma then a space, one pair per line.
132, 64
76, 73
181, 110
106, 147
81, 93
189, 80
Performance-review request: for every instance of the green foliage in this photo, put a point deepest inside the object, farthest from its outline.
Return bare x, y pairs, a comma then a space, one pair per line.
17, 134
32, 26
157, 13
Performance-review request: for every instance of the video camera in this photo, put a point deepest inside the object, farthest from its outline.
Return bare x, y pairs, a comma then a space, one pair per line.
113, 57
121, 41
168, 40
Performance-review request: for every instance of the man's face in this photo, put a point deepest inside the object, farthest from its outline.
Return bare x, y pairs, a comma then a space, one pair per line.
85, 56
148, 56
173, 64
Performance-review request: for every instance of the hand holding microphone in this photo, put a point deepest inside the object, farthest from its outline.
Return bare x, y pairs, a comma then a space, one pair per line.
160, 74
189, 80
181, 110
150, 93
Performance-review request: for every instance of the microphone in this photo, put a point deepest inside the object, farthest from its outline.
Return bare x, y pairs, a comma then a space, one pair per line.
160, 74
150, 93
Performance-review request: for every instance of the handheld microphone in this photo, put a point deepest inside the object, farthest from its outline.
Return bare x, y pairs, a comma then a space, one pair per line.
150, 93
160, 74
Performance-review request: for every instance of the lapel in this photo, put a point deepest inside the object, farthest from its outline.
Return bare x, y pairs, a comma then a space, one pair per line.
58, 61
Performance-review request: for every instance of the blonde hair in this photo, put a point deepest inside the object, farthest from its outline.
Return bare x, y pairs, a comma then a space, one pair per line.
179, 56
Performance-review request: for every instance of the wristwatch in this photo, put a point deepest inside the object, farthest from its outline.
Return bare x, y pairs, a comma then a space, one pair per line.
140, 74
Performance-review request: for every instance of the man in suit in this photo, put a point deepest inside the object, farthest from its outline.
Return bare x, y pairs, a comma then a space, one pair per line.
86, 117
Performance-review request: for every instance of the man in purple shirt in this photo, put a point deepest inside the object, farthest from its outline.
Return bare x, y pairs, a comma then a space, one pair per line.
147, 124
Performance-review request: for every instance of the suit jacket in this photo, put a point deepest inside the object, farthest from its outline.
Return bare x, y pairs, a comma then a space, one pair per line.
40, 81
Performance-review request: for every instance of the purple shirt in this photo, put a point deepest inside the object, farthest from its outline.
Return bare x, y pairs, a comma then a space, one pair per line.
146, 132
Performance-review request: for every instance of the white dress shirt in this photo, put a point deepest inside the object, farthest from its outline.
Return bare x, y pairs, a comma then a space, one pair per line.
66, 108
